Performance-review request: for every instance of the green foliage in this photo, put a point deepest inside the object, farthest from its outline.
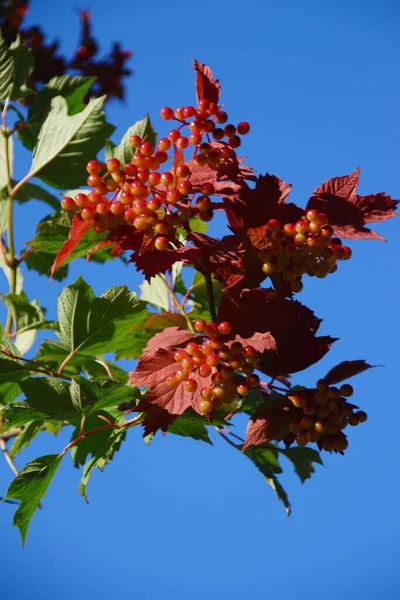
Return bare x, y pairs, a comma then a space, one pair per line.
29, 487
65, 143
124, 150
16, 63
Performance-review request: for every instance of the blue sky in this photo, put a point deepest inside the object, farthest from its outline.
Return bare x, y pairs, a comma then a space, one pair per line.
319, 82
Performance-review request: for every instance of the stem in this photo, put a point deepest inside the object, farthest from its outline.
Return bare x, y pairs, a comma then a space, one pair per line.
28, 328
178, 305
9, 460
13, 264
210, 296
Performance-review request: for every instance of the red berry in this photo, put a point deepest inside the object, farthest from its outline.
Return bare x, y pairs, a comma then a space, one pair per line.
204, 370
167, 178
182, 171
213, 359
68, 203
200, 325
81, 200
117, 208
346, 390
182, 142
207, 189
146, 148
362, 416
229, 130
87, 213
195, 139
185, 187
243, 128
102, 208
253, 380
224, 327
187, 363
161, 243
174, 135
188, 112
236, 348
207, 394
205, 406
167, 113
312, 215
113, 165
130, 170
218, 134
234, 141
171, 380
135, 141
221, 116
94, 167
190, 385
173, 196
243, 389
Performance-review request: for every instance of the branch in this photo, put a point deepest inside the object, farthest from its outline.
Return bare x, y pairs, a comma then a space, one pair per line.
9, 460
210, 296
178, 304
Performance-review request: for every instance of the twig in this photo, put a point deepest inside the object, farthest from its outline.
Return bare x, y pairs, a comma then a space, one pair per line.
225, 438
210, 296
7, 456
178, 305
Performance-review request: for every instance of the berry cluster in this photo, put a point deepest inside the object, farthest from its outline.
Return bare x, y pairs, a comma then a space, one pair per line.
153, 200
231, 367
322, 416
306, 247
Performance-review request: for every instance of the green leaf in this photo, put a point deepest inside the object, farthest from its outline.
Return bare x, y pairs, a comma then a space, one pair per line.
156, 293
42, 263
46, 398
54, 231
66, 143
91, 325
6, 70
124, 150
267, 463
22, 67
303, 460
102, 456
73, 89
16, 64
29, 487
90, 444
8, 392
190, 425
29, 431
31, 191
11, 370
26, 315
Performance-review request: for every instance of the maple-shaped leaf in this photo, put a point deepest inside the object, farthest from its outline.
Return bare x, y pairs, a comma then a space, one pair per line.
254, 207
269, 422
152, 371
347, 211
157, 418
171, 337
226, 179
207, 87
257, 313
78, 229
345, 370
214, 254
295, 347
152, 262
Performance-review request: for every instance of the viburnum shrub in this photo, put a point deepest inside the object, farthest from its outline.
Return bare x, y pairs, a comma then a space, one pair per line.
224, 343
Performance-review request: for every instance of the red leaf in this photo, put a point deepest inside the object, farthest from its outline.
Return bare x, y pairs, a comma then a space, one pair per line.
170, 337
257, 313
152, 262
100, 246
152, 370
78, 229
206, 86
256, 206
157, 418
345, 370
226, 180
214, 254
268, 422
348, 212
